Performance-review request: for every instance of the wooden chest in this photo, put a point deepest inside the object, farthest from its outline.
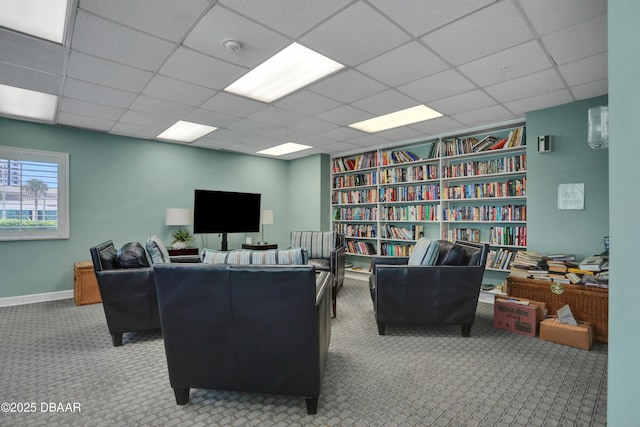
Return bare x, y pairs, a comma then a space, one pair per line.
85, 286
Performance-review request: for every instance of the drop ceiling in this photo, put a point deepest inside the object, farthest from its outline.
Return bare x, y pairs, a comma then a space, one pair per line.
135, 68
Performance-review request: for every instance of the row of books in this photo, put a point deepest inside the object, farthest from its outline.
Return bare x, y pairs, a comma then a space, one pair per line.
402, 233
563, 268
394, 249
511, 188
485, 213
467, 234
500, 259
410, 193
356, 180
514, 139
360, 248
409, 174
356, 230
508, 235
505, 164
410, 213
397, 156
457, 146
355, 214
361, 161
354, 196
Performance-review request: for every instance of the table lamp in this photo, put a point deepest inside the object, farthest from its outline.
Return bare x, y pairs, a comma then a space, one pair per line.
266, 217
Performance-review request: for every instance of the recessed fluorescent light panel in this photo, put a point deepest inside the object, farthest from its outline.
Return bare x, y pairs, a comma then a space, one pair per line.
186, 131
282, 149
40, 18
398, 118
288, 70
27, 103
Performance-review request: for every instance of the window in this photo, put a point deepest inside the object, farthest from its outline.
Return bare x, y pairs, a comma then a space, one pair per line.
34, 194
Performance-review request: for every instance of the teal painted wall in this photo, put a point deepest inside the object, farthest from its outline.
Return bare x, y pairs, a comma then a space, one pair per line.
310, 194
549, 229
120, 188
624, 156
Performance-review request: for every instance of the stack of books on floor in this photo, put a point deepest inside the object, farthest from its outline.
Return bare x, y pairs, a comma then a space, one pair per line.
563, 268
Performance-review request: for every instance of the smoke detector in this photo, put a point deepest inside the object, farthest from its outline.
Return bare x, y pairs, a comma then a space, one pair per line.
232, 45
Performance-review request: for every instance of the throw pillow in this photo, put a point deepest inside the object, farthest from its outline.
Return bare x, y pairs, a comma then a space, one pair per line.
132, 256
431, 256
420, 250
157, 250
268, 257
290, 256
454, 256
210, 256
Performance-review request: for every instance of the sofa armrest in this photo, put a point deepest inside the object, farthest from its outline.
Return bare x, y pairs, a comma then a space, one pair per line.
338, 260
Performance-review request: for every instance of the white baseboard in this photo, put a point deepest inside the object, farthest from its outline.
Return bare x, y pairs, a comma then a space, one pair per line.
33, 298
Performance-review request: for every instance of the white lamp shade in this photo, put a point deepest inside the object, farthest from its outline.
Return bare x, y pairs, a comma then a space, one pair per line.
178, 216
266, 217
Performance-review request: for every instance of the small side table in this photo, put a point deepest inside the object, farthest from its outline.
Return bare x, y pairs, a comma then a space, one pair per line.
183, 251
85, 285
259, 247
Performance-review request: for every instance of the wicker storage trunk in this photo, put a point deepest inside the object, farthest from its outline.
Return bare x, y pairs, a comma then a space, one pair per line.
588, 304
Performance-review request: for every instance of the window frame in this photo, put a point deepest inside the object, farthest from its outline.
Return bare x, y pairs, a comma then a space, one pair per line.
62, 160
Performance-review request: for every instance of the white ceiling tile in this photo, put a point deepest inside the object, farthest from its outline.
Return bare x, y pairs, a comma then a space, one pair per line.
344, 115
200, 69
252, 126
482, 33
519, 61
341, 148
76, 120
422, 16
230, 135
106, 73
343, 133
176, 90
417, 62
369, 141
437, 86
290, 18
83, 108
348, 37
258, 43
31, 53
467, 101
136, 131
347, 86
169, 19
585, 70
313, 125
161, 107
577, 42
276, 116
104, 39
27, 78
385, 102
306, 102
527, 86
315, 140
522, 106
548, 16
97, 94
151, 121
437, 126
233, 105
484, 115
590, 90
400, 134
211, 118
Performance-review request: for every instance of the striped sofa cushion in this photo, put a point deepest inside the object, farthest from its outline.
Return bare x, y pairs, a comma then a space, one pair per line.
319, 244
239, 256
210, 256
268, 257
293, 256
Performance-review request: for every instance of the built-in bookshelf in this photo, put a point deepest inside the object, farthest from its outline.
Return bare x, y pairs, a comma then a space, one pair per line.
459, 187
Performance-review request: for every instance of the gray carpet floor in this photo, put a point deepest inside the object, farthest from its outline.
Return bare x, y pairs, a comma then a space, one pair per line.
60, 354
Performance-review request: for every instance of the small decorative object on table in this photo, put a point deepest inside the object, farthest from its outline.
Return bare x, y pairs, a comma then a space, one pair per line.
181, 238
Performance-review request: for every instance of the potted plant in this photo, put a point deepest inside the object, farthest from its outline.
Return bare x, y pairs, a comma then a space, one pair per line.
181, 238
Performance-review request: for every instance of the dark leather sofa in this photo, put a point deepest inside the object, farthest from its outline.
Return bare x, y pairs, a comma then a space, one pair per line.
128, 294
429, 294
248, 328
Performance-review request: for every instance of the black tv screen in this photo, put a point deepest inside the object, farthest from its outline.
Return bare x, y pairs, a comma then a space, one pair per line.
225, 212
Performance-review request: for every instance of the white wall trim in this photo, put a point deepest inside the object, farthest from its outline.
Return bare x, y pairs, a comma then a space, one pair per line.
33, 298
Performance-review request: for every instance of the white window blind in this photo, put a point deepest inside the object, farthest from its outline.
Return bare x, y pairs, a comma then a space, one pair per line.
34, 188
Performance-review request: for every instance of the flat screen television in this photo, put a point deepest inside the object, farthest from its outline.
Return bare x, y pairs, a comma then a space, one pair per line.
225, 212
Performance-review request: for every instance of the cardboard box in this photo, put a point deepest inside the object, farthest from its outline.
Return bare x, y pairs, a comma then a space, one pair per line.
579, 336
518, 315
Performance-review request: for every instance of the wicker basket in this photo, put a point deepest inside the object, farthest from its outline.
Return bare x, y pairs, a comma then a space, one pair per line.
587, 304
